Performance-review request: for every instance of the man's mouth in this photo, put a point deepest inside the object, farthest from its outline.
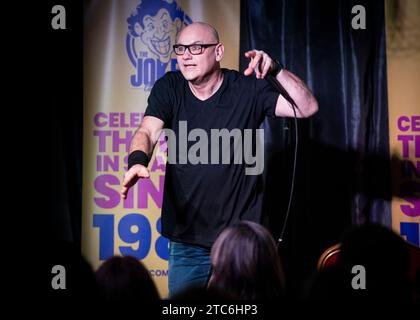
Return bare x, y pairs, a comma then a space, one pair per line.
189, 66
162, 46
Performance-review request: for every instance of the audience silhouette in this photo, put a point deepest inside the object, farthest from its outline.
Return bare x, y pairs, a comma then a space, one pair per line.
125, 279
372, 267
245, 263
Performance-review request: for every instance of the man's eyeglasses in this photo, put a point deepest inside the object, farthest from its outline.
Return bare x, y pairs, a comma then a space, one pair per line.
196, 48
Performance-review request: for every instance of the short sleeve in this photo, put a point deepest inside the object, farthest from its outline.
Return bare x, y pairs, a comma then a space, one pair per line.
159, 103
267, 98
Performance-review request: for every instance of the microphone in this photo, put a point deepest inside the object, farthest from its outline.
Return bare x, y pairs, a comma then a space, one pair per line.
278, 86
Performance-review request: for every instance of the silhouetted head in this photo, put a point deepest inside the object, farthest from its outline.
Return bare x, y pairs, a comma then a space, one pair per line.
125, 278
384, 256
246, 264
78, 278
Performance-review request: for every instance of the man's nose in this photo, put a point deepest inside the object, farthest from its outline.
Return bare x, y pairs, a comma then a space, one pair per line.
187, 54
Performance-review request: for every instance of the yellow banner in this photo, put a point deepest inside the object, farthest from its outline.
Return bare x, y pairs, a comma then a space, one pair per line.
127, 47
403, 63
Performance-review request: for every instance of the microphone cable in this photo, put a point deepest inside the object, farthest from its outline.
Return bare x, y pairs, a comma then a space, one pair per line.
273, 81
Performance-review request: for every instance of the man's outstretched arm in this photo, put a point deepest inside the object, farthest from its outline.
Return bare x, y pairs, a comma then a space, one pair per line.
144, 140
299, 92
307, 105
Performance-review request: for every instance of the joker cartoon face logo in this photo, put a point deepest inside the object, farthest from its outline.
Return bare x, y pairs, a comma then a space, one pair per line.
152, 30
159, 33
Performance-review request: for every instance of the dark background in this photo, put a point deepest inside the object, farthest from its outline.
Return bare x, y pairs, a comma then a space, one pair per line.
63, 88
342, 175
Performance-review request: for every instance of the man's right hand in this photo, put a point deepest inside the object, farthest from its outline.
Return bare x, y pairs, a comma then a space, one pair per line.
131, 176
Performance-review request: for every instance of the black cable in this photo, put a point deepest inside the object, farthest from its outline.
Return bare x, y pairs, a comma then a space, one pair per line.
272, 80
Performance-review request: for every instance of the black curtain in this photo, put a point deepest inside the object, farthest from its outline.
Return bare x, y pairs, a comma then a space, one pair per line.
62, 115
49, 106
343, 175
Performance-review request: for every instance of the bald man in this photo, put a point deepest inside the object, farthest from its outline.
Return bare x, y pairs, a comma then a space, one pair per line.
208, 188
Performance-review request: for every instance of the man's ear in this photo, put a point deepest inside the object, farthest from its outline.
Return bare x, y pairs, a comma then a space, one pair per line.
220, 50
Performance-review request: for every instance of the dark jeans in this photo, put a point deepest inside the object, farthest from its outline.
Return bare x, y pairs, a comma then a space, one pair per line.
189, 265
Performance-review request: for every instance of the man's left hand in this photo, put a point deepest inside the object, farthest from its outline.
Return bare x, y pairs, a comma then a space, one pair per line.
260, 63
